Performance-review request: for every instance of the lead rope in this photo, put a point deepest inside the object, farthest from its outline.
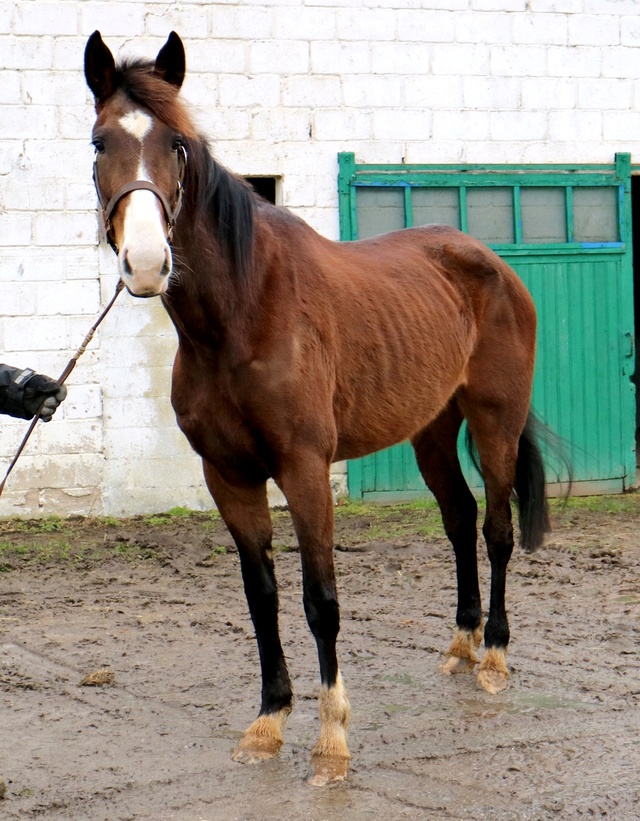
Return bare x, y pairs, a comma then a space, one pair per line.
62, 378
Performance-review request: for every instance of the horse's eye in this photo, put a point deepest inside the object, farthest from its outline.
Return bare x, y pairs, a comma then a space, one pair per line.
177, 144
98, 145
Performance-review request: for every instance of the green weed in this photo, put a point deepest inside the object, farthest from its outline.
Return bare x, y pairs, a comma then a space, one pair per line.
50, 524
108, 521
622, 503
184, 513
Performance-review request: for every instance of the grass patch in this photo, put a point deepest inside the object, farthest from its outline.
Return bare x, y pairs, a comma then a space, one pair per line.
406, 521
134, 552
48, 524
37, 552
108, 521
84, 542
176, 514
628, 503
348, 507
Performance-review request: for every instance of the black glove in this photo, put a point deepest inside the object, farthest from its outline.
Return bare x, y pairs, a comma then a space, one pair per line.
41, 389
23, 393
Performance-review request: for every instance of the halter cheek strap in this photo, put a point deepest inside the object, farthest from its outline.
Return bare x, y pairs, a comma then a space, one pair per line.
171, 214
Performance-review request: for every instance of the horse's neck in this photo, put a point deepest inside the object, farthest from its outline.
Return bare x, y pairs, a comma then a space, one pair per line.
207, 303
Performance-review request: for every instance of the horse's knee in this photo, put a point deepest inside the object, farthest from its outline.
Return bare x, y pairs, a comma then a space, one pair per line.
460, 520
498, 534
322, 611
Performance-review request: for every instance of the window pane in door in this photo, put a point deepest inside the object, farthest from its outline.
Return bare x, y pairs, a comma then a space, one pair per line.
490, 214
543, 215
595, 214
435, 205
379, 210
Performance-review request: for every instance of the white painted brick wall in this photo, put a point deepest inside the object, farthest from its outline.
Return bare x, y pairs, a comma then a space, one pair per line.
279, 86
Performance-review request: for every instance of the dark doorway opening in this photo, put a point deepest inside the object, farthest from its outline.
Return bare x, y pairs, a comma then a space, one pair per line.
635, 224
265, 186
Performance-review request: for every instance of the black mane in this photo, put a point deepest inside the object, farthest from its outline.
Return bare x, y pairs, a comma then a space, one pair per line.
211, 190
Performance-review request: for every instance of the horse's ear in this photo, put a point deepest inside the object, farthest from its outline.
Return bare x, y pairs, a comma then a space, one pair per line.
171, 62
99, 67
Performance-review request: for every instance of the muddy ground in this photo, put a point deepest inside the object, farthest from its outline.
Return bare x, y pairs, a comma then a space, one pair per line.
159, 603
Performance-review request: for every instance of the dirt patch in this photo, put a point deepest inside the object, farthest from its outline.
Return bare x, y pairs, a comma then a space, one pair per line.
158, 604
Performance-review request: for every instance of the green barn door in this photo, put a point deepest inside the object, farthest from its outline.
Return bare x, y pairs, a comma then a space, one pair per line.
567, 233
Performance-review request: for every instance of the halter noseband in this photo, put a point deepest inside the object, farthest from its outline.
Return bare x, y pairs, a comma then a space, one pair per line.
171, 214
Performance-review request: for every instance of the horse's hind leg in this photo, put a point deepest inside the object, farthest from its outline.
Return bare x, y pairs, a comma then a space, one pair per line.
496, 428
437, 457
305, 482
246, 513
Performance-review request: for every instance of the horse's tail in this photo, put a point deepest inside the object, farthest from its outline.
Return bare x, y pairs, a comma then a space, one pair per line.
530, 484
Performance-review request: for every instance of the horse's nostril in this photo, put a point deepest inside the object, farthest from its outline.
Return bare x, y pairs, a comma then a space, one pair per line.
166, 268
125, 265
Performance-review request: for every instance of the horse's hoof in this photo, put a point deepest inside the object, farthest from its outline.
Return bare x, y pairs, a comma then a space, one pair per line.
461, 657
492, 681
253, 749
453, 664
262, 740
327, 770
493, 674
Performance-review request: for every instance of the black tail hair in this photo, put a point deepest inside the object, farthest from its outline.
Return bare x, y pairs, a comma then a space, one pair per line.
529, 486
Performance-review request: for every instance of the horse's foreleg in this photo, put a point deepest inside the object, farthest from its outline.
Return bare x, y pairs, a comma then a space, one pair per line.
437, 457
307, 488
246, 514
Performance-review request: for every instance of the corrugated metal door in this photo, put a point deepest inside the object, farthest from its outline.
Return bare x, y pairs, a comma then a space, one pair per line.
567, 233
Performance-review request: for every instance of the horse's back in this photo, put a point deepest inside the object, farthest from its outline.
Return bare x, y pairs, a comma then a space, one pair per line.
437, 281
438, 251
405, 312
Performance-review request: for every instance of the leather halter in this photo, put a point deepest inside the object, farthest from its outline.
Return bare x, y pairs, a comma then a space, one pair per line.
171, 213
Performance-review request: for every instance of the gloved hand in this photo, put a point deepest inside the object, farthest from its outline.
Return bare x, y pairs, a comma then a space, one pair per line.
39, 389
22, 392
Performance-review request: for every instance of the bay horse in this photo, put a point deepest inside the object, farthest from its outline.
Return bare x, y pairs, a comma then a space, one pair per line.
296, 351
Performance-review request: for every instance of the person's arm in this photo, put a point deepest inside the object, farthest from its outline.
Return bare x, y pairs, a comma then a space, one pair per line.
23, 392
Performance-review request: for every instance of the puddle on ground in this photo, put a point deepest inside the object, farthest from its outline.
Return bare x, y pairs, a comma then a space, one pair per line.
521, 703
489, 707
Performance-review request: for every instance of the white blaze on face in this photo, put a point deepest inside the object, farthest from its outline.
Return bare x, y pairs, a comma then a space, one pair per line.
145, 256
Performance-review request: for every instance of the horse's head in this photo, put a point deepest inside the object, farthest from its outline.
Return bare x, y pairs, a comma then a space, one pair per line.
140, 158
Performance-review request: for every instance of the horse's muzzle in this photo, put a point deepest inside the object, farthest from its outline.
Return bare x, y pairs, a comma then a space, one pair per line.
145, 279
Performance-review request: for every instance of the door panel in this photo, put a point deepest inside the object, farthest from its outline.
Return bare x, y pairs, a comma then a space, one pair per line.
567, 233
